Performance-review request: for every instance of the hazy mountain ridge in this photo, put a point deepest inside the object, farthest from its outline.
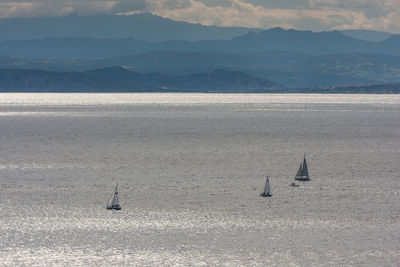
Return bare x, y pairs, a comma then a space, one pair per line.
146, 27
75, 48
367, 35
383, 68
296, 59
307, 42
357, 89
300, 41
117, 79
291, 69
173, 62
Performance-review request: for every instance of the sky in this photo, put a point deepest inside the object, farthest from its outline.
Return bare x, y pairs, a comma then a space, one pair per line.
316, 15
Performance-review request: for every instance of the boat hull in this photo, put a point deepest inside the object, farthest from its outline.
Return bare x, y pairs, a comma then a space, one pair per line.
113, 208
302, 178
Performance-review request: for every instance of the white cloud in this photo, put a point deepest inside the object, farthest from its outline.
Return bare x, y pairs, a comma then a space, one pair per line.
317, 15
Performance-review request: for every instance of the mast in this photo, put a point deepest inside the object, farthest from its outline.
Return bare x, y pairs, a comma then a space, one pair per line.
305, 169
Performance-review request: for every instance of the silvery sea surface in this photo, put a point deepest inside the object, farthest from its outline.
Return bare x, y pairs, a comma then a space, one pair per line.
190, 168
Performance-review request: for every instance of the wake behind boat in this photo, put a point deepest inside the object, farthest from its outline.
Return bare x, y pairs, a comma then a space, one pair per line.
302, 172
267, 189
113, 203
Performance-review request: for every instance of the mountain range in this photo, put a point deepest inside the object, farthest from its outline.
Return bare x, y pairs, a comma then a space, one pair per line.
146, 27
290, 69
117, 79
160, 47
316, 43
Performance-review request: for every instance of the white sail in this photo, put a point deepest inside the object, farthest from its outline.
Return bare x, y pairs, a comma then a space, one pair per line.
299, 171
110, 202
113, 203
115, 200
267, 189
302, 172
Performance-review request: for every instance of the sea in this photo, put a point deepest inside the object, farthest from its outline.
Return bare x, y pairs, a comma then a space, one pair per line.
190, 169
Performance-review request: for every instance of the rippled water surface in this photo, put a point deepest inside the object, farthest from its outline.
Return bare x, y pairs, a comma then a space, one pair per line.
190, 168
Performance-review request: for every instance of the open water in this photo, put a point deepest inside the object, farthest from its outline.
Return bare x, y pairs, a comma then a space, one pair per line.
190, 168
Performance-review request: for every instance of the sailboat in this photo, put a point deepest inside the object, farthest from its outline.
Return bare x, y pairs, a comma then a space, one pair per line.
267, 190
113, 203
302, 172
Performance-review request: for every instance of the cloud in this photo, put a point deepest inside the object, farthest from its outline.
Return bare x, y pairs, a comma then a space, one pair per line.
128, 6
306, 14
300, 14
37, 8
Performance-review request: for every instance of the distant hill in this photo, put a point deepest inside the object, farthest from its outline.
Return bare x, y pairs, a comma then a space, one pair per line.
391, 45
75, 48
367, 35
117, 79
357, 89
270, 40
307, 79
145, 27
299, 41
291, 69
380, 68
317, 43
